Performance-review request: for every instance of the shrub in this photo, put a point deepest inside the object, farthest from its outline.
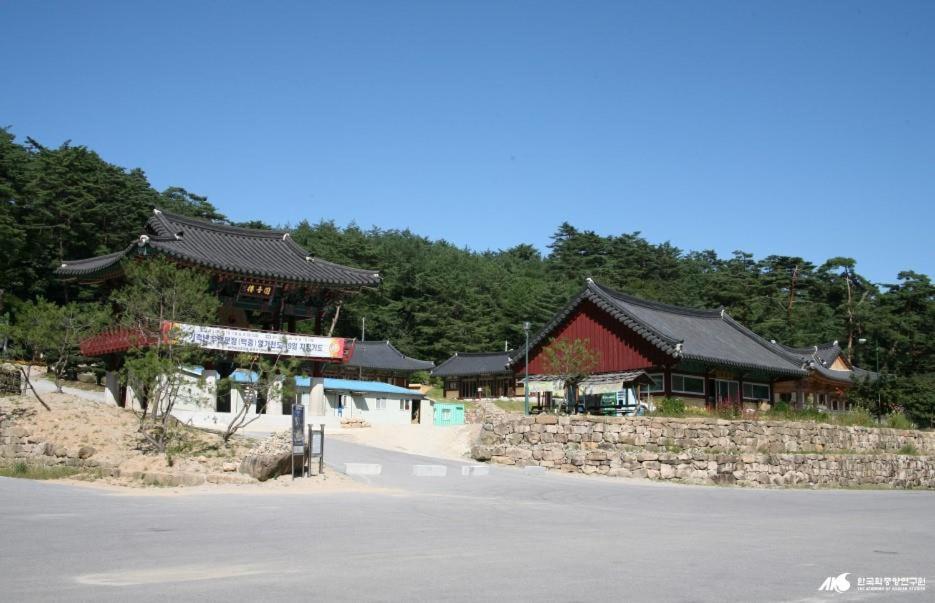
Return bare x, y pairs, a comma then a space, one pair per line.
908, 448
670, 407
898, 420
858, 416
696, 411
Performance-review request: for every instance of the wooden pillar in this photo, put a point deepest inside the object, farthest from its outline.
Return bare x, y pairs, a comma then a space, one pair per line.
667, 386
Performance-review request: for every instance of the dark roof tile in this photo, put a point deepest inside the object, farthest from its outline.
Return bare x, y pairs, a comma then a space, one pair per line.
709, 336
478, 363
267, 254
383, 355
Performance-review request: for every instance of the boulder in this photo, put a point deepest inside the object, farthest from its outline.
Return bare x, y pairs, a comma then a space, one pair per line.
86, 452
89, 378
266, 466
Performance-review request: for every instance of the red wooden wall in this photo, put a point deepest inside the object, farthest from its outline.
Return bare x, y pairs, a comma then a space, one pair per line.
620, 348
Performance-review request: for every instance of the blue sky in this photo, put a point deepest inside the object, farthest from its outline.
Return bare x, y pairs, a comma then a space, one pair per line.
800, 128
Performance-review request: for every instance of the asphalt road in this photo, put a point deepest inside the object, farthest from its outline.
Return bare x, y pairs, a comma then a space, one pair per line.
506, 535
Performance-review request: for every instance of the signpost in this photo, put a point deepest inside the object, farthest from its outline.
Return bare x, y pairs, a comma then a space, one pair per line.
316, 441
298, 438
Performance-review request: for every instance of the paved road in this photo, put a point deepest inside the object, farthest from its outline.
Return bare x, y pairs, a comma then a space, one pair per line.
506, 535
44, 386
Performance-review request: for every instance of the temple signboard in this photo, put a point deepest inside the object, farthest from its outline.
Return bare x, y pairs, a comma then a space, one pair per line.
256, 342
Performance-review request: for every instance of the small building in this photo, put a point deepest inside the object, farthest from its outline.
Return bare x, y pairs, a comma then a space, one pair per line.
378, 361
447, 413
376, 402
829, 375
201, 402
478, 375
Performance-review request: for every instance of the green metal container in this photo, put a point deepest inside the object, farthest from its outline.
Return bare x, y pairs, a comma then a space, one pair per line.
449, 414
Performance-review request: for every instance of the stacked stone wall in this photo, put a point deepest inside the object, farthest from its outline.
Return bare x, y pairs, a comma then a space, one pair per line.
701, 450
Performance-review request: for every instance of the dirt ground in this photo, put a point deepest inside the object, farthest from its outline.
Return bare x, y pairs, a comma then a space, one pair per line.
74, 423
122, 463
449, 442
113, 433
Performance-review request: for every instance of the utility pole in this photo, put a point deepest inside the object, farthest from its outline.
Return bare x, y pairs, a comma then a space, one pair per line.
363, 328
526, 368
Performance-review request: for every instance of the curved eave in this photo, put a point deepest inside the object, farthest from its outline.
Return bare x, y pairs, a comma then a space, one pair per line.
91, 269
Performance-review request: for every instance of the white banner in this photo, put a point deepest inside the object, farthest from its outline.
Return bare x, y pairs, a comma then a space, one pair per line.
546, 386
256, 342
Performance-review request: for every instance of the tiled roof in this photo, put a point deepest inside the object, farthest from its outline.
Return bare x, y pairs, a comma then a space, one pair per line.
268, 254
383, 355
479, 363
826, 353
96, 265
708, 336
819, 358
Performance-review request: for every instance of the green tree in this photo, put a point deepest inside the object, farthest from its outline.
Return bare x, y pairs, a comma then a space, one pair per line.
156, 297
51, 333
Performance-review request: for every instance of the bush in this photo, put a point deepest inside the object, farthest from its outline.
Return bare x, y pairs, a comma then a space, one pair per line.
908, 448
858, 416
696, 411
670, 407
898, 420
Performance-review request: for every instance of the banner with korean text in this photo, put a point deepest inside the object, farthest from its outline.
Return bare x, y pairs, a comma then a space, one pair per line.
256, 342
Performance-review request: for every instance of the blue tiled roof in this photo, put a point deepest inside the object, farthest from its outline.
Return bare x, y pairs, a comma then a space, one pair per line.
244, 376
375, 387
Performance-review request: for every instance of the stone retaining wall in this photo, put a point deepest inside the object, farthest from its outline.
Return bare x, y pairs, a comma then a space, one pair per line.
750, 453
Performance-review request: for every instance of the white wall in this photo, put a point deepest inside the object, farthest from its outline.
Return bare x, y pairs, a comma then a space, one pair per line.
263, 423
197, 393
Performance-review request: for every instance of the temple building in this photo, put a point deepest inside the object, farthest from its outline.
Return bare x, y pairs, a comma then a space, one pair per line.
266, 284
702, 356
478, 375
828, 379
378, 361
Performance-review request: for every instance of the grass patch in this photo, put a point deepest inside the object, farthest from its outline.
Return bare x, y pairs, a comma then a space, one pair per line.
436, 393
908, 448
512, 405
24, 470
